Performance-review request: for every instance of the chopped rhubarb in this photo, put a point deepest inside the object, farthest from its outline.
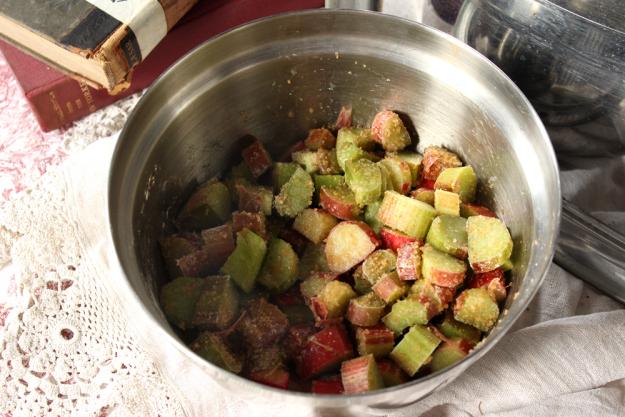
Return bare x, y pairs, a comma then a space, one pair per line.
365, 310
435, 298
476, 308
378, 340
344, 118
390, 288
333, 300
328, 385
409, 261
361, 375
436, 159
313, 260
263, 324
327, 162
406, 214
257, 158
394, 240
320, 139
392, 374
448, 353
446, 202
296, 338
414, 161
214, 349
348, 244
316, 281
339, 202
449, 234
400, 173
415, 349
468, 210
453, 329
315, 224
364, 178
361, 284
254, 198
371, 216
254, 221
494, 281
324, 351
218, 304
353, 144
424, 194
427, 184
460, 180
281, 174
178, 299
298, 242
208, 206
406, 313
295, 195
244, 264
442, 269
277, 377
330, 181
308, 160
280, 267
388, 129
490, 244
377, 264
175, 247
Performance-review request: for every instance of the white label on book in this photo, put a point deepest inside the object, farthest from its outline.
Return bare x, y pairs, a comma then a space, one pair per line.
146, 19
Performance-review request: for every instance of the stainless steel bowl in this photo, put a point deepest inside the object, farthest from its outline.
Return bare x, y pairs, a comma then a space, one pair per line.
276, 78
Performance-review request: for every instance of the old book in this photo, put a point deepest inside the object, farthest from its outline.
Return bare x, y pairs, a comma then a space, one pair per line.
98, 41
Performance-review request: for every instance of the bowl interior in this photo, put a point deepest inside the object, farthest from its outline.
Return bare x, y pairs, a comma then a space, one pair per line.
277, 78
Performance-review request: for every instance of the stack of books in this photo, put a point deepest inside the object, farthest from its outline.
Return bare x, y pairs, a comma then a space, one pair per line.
108, 60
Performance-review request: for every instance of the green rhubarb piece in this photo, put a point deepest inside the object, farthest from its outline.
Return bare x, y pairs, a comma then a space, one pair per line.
365, 310
376, 340
440, 268
208, 206
446, 202
490, 244
424, 194
507, 265
377, 264
295, 195
328, 164
308, 159
400, 173
351, 145
413, 160
387, 181
460, 180
453, 329
361, 375
314, 224
390, 288
214, 349
446, 355
175, 247
365, 179
415, 349
410, 216
360, 137
476, 308
335, 297
178, 299
312, 286
313, 259
218, 304
281, 174
406, 313
371, 216
449, 234
330, 181
361, 284
279, 270
244, 264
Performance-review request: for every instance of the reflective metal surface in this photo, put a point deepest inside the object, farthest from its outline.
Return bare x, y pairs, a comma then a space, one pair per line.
567, 56
280, 76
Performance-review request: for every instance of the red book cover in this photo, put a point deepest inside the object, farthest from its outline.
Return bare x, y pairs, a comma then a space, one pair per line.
57, 100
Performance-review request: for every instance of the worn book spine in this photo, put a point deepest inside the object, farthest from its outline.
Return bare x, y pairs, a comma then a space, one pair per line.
58, 100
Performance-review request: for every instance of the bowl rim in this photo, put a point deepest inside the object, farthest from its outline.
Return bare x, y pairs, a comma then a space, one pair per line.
330, 400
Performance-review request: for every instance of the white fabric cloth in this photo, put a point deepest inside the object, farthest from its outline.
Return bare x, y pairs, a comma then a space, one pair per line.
564, 357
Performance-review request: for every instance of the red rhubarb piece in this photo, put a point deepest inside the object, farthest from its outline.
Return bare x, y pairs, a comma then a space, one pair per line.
257, 158
324, 351
393, 239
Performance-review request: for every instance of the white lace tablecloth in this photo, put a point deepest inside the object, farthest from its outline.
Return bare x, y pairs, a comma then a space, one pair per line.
69, 348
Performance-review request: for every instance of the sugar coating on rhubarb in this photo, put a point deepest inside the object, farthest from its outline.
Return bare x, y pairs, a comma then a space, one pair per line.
364, 178
218, 304
414, 161
436, 159
208, 206
446, 202
377, 340
348, 244
476, 308
390, 288
449, 234
389, 130
415, 349
489, 242
280, 267
295, 195
405, 313
314, 224
406, 214
244, 264
399, 172
178, 299
365, 310
214, 349
377, 264
361, 375
459, 180
442, 269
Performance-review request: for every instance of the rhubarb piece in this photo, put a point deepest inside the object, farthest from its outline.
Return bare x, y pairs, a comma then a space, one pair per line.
392, 374
263, 324
339, 202
361, 375
314, 224
296, 338
313, 259
371, 216
490, 244
409, 261
316, 281
453, 329
208, 206
348, 244
298, 314
352, 144
219, 240
324, 351
175, 247
428, 184
389, 130
494, 282
214, 349
435, 299
436, 159
424, 194
218, 304
320, 139
365, 180
278, 377
400, 173
415, 349
350, 152
448, 353
298, 242
281, 174
344, 118
449, 234
279, 270
406, 214
442, 269
243, 265
406, 313
460, 180
468, 210
390, 288
476, 308
378, 340
328, 385
507, 265
308, 159
295, 195
254, 198
330, 181
178, 299
387, 182
254, 221
361, 284
328, 164
395, 240
414, 161
333, 300
266, 366
446, 202
377, 264
239, 172
365, 310
257, 158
